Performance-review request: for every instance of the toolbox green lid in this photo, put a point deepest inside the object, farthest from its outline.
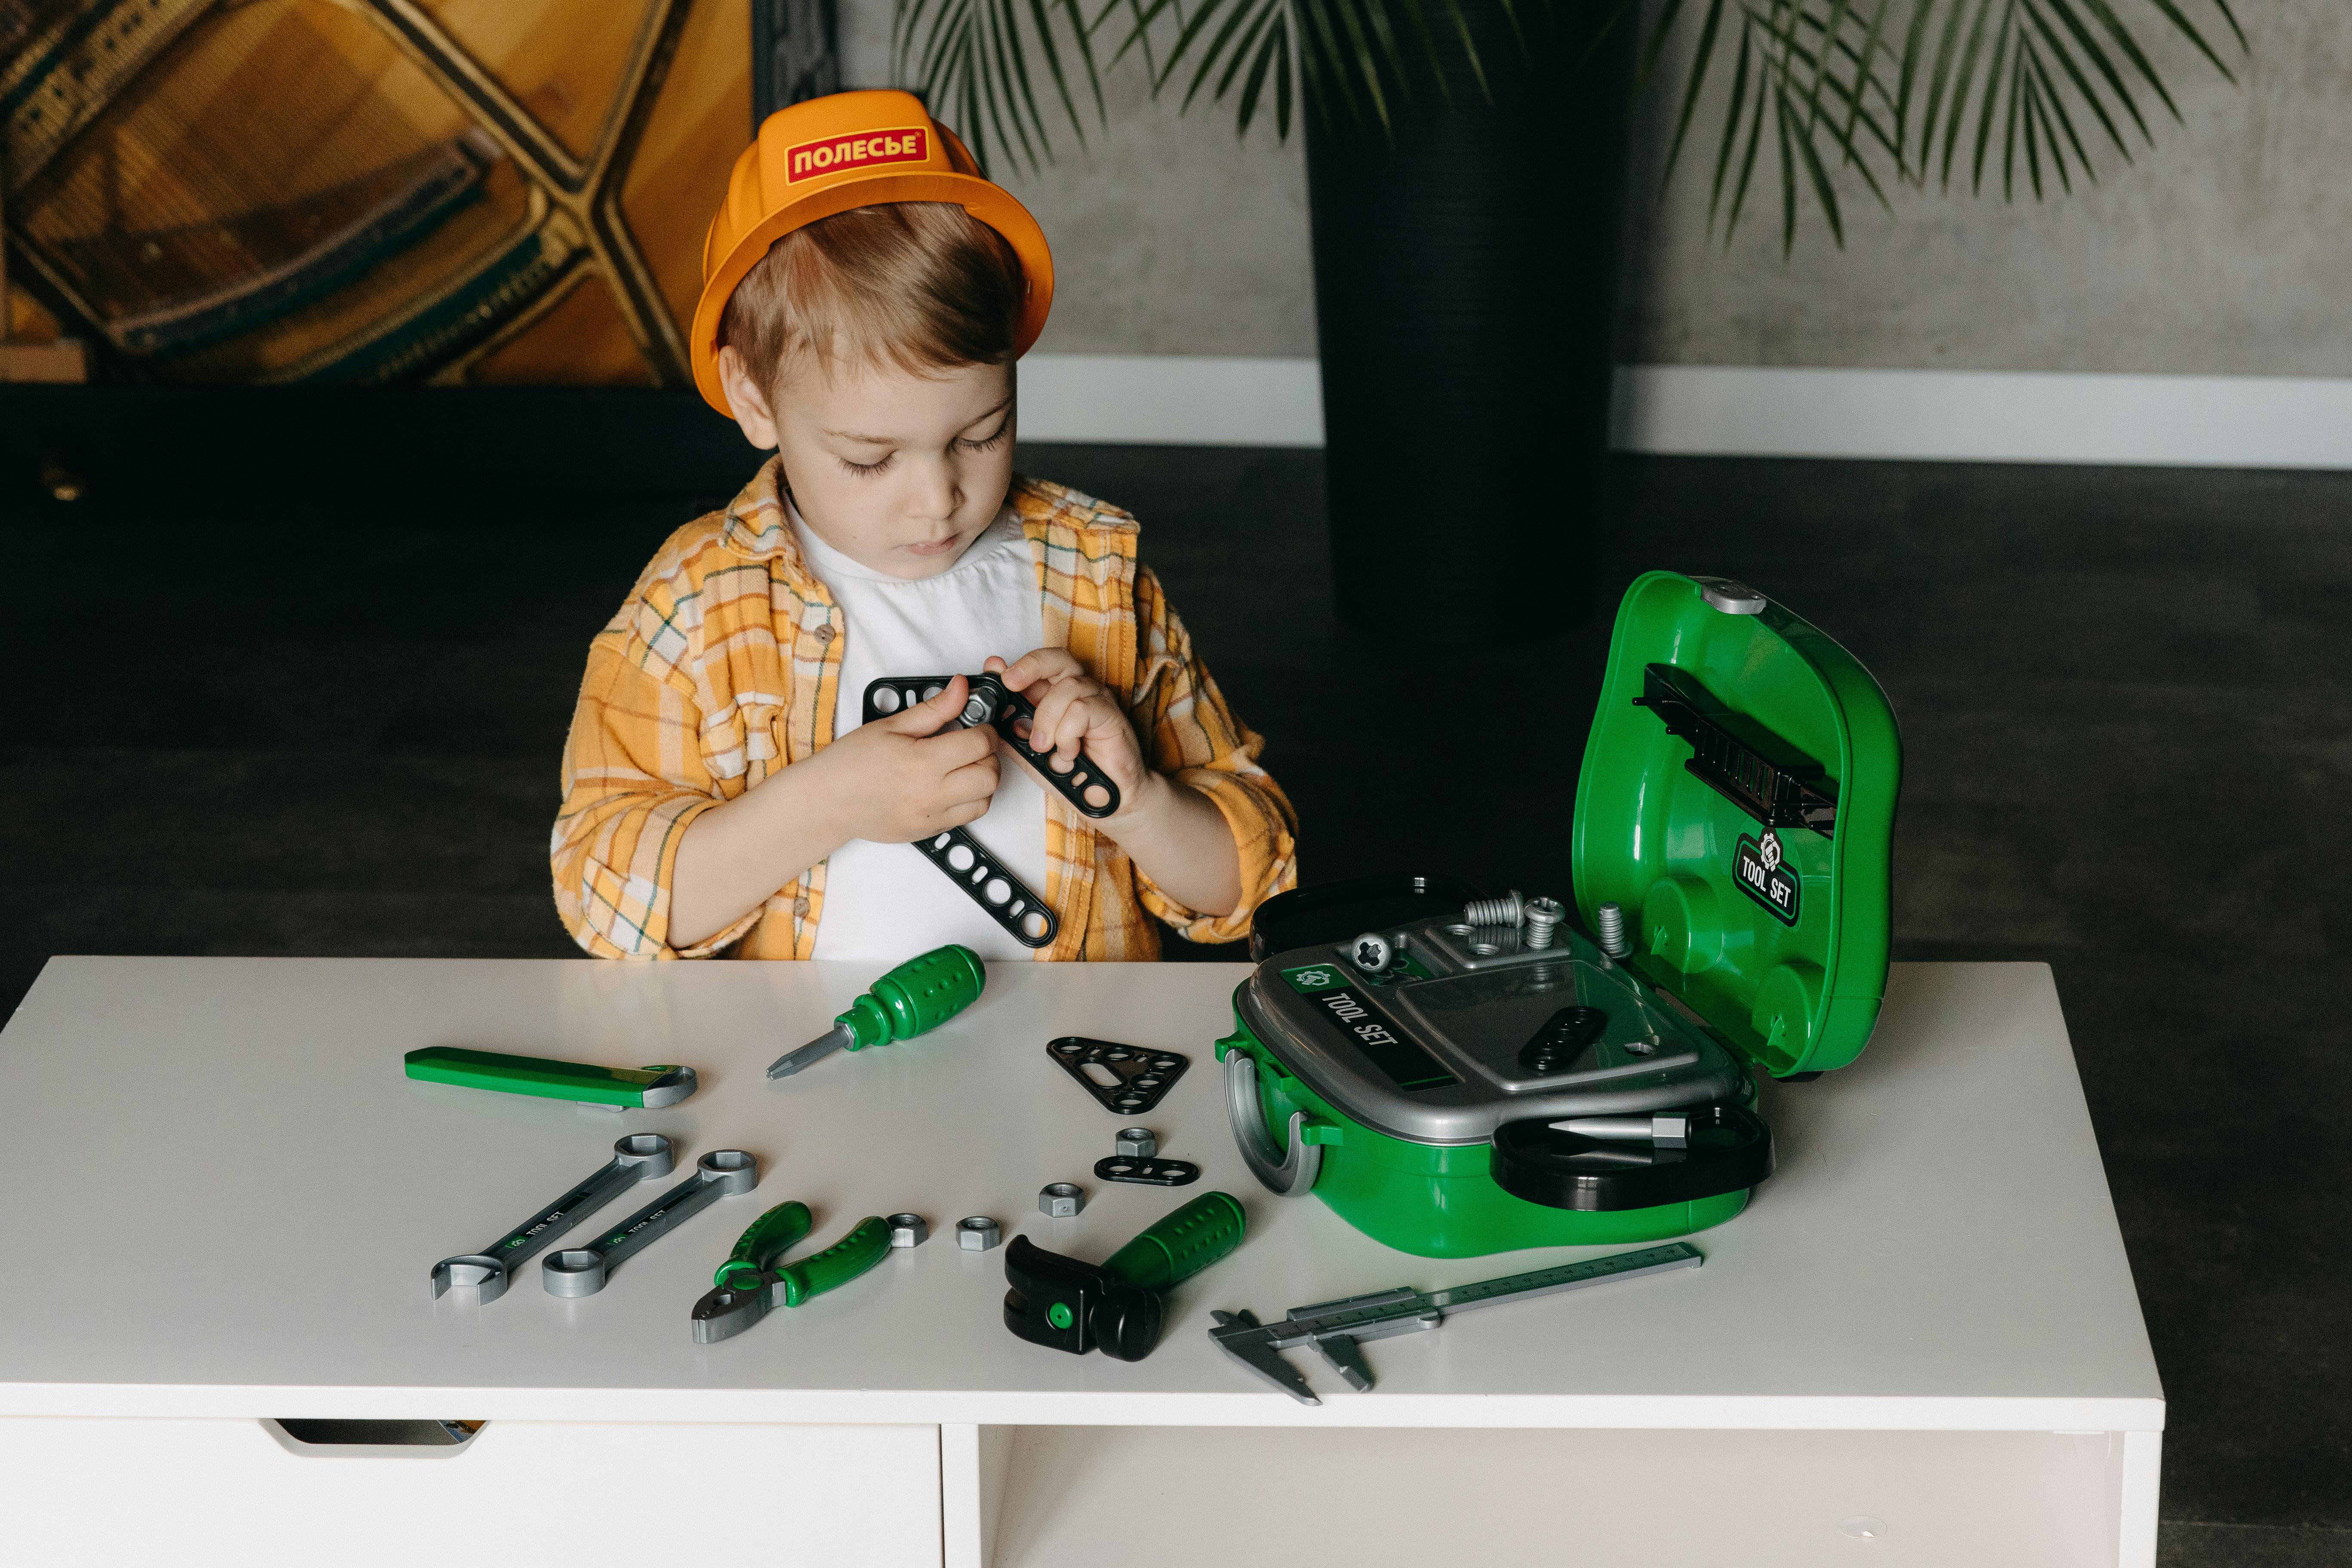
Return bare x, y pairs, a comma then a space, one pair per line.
1738, 800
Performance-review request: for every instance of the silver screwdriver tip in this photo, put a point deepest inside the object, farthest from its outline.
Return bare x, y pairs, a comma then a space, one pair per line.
816, 1050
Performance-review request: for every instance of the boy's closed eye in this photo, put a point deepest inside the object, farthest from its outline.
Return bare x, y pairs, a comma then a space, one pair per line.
994, 438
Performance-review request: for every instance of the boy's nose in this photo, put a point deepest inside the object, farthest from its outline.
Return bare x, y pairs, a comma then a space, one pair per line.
937, 496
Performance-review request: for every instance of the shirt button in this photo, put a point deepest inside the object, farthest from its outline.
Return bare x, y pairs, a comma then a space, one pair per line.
823, 633
800, 907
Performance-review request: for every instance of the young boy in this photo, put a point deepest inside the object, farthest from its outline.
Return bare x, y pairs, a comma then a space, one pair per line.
865, 294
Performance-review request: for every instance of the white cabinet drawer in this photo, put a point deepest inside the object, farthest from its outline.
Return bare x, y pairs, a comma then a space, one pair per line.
83, 1490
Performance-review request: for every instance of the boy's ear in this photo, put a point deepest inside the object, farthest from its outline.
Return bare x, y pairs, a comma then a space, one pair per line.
747, 398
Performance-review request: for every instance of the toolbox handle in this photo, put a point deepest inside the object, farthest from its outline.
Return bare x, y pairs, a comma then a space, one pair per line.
1285, 1175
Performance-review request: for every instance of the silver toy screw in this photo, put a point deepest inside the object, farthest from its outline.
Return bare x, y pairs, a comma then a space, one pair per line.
1503, 911
1542, 915
1371, 953
1611, 921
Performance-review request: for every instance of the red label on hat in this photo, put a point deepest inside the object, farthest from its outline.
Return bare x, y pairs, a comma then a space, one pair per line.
906, 144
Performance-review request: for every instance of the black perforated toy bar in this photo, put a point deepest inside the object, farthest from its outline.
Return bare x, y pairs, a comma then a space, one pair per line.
987, 880
1006, 710
1010, 901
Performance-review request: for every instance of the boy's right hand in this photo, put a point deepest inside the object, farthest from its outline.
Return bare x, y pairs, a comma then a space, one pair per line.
895, 781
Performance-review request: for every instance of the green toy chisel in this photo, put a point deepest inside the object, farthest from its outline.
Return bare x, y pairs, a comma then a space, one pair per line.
749, 1283
616, 1089
920, 993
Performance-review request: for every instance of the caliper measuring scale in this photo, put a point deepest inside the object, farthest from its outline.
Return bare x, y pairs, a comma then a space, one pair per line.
1336, 1329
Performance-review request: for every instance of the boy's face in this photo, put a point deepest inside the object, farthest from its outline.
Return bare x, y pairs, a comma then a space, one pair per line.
899, 472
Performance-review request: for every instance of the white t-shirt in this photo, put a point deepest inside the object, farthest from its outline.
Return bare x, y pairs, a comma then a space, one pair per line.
885, 903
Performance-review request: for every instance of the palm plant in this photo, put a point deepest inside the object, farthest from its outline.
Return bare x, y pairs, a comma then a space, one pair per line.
1911, 92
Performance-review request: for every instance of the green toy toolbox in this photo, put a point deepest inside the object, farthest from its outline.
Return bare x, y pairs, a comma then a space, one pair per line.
1458, 1075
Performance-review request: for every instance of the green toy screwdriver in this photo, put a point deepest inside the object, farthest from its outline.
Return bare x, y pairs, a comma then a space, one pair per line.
920, 993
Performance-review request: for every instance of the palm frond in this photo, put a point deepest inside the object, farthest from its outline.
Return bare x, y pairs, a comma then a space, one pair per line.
1841, 91
976, 55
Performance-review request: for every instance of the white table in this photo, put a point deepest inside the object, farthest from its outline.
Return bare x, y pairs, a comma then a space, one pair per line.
1920, 1345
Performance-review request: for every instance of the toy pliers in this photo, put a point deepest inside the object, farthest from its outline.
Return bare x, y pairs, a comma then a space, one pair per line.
749, 1282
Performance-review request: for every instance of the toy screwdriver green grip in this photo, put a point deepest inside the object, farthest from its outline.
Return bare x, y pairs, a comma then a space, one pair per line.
767, 1238
1182, 1243
918, 995
845, 1260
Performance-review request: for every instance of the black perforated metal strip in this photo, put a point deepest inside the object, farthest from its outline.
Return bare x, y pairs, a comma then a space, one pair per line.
990, 883
1003, 710
1152, 1172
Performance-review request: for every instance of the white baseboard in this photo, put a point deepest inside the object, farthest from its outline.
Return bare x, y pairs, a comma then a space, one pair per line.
1986, 416
1171, 400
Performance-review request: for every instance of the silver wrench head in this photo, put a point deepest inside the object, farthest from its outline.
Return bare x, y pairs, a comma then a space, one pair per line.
644, 1156
476, 1272
582, 1271
675, 1084
651, 1153
574, 1271
735, 1172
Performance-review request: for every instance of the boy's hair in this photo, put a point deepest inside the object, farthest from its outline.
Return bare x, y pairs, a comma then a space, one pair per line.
920, 286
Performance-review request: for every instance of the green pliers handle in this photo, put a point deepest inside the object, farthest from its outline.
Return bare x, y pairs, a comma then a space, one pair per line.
1181, 1244
920, 993
767, 1239
867, 1243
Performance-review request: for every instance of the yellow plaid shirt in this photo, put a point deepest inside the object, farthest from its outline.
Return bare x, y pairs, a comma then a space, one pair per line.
724, 664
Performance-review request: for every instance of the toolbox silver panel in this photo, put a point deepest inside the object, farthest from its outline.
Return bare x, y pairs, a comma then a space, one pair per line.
1473, 1013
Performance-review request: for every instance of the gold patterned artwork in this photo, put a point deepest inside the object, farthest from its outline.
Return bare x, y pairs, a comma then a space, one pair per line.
509, 191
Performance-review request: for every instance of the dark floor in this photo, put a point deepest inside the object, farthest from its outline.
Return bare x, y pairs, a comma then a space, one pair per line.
330, 724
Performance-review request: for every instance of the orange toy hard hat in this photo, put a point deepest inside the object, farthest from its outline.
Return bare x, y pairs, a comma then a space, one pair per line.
830, 155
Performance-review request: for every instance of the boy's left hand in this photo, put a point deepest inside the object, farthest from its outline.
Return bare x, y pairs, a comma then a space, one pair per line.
1075, 711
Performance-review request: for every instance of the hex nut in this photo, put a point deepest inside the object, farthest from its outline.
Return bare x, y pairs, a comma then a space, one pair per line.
1060, 1200
977, 1234
1134, 1144
907, 1230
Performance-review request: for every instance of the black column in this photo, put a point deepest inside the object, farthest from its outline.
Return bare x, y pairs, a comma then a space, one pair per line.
794, 54
1464, 273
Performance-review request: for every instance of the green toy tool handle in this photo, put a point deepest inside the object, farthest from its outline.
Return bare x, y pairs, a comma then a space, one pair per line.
1182, 1243
549, 1078
845, 1260
920, 993
766, 1239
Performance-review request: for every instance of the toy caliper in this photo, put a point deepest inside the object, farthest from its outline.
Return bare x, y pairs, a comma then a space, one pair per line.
1336, 1329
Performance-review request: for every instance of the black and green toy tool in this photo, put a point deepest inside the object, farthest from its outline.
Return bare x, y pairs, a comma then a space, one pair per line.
616, 1089
1113, 1305
919, 995
749, 1283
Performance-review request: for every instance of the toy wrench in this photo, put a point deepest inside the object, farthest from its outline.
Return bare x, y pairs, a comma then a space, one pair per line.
1006, 710
640, 1157
582, 1271
749, 1283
